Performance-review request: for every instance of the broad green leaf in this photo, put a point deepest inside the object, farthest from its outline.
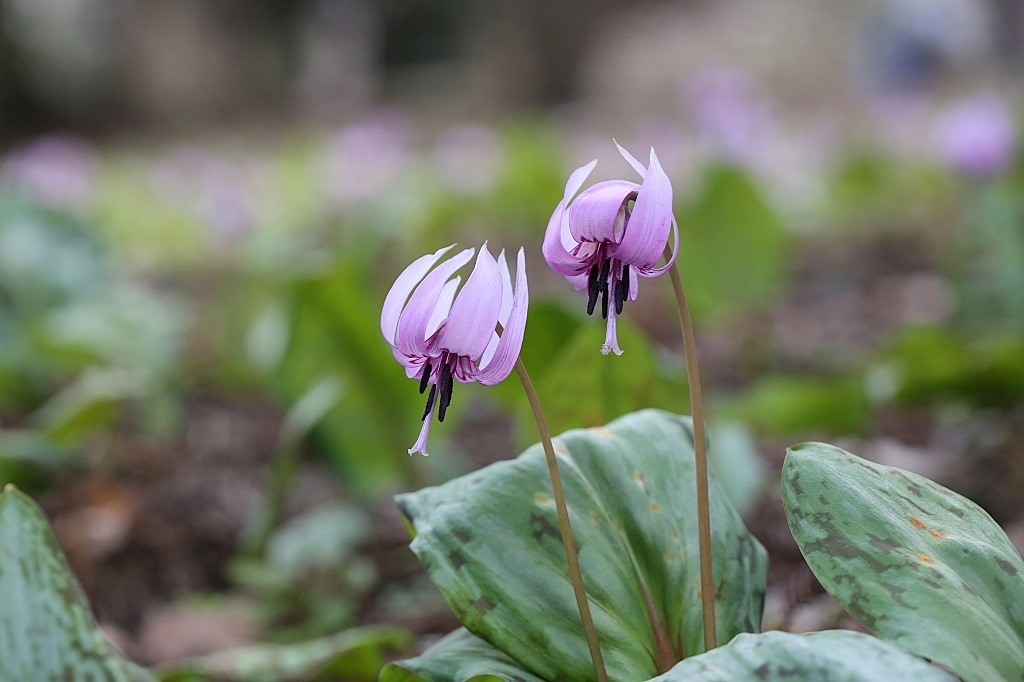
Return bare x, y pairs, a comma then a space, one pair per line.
47, 632
830, 656
354, 655
458, 657
915, 563
490, 541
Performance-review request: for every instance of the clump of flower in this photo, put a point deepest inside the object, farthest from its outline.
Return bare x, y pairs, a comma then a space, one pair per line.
441, 336
612, 233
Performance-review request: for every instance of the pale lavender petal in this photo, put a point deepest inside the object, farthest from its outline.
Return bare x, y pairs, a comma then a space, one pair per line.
555, 251
599, 213
420, 445
611, 339
637, 166
400, 290
443, 307
650, 222
506, 289
412, 365
492, 346
475, 311
506, 308
576, 180
579, 282
657, 272
507, 352
412, 325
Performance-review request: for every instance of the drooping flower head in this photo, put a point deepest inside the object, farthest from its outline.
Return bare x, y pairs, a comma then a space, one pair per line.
611, 233
440, 336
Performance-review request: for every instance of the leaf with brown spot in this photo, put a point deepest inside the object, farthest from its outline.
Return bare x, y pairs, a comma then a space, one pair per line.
930, 572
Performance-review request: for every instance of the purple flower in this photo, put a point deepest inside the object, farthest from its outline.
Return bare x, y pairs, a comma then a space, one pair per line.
612, 230
57, 170
977, 136
439, 337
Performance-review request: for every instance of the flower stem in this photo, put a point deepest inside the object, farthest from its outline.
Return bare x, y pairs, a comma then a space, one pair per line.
707, 582
563, 521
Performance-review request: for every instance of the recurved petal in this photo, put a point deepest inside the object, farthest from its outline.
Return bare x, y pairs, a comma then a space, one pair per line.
576, 180
511, 342
506, 289
400, 290
657, 272
631, 160
554, 249
410, 338
475, 311
649, 225
488, 353
412, 365
443, 307
579, 282
599, 213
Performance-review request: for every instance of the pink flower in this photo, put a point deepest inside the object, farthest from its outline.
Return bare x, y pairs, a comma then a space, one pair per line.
611, 229
439, 336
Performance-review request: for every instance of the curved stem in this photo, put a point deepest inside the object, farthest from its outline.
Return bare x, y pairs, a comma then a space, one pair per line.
707, 582
563, 521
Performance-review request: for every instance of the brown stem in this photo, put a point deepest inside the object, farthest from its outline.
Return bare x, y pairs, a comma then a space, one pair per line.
707, 583
563, 521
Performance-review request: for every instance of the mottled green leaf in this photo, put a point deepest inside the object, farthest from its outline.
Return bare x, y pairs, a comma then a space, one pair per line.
354, 655
459, 657
831, 656
917, 564
490, 541
47, 632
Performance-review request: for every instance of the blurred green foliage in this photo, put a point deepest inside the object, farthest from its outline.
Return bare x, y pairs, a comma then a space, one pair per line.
734, 252
933, 364
788, 405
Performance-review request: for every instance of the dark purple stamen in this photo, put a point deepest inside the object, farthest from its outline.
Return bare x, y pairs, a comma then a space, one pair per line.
425, 379
593, 290
620, 296
430, 401
625, 282
603, 279
446, 384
